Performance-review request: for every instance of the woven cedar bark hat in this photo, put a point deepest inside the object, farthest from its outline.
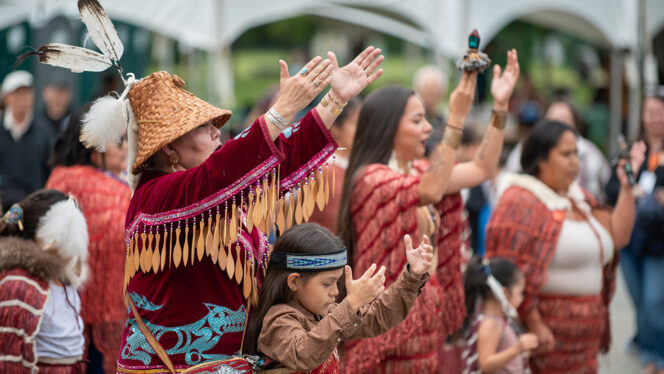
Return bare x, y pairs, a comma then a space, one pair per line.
164, 112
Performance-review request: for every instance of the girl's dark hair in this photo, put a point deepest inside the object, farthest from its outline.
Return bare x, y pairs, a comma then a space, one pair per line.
475, 286
377, 126
34, 206
68, 149
306, 238
538, 145
352, 105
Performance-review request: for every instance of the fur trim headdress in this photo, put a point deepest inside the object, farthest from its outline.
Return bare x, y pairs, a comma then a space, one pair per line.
64, 230
154, 110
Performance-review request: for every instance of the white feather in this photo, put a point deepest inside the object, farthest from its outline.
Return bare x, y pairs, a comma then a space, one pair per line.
103, 123
497, 290
101, 29
63, 227
76, 59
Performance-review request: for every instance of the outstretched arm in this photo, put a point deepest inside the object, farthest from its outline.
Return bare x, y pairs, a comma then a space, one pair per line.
434, 182
484, 164
296, 92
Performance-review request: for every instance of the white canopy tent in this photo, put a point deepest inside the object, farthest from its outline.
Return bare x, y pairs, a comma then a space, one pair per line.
440, 25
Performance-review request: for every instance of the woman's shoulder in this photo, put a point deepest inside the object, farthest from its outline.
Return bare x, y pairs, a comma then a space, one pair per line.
378, 175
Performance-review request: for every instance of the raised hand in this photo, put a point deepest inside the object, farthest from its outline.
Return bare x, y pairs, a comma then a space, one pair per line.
503, 85
363, 290
461, 99
296, 92
351, 79
637, 154
419, 258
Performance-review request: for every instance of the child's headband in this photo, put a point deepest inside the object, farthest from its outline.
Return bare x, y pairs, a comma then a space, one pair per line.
308, 262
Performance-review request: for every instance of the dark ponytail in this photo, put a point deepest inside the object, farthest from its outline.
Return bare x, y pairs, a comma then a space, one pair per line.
306, 238
476, 287
34, 207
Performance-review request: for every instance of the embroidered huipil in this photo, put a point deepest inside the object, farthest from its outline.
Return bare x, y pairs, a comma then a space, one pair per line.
304, 342
193, 288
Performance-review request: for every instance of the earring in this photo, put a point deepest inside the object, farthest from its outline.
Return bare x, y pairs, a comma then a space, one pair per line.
173, 159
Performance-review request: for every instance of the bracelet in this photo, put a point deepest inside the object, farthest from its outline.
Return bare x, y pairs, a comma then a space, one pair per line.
276, 119
334, 100
457, 128
336, 109
452, 138
498, 119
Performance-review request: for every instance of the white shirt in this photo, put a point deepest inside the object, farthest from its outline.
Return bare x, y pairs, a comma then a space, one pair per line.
17, 130
575, 268
61, 332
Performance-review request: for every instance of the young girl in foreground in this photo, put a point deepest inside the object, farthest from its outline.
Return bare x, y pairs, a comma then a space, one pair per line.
492, 344
297, 321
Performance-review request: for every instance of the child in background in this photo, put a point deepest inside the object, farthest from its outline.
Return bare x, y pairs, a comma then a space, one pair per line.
297, 321
494, 289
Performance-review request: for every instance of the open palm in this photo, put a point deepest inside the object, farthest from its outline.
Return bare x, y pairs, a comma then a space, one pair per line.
351, 79
503, 85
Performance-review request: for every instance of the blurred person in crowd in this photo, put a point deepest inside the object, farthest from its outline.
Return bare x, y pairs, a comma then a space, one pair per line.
57, 97
43, 264
390, 191
343, 131
566, 244
594, 170
431, 84
642, 260
98, 181
474, 198
25, 144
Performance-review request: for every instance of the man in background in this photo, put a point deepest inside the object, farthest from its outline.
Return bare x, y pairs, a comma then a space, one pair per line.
25, 145
430, 83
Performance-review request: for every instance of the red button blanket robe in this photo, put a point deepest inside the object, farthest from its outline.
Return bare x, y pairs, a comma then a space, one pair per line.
524, 230
384, 209
186, 290
104, 201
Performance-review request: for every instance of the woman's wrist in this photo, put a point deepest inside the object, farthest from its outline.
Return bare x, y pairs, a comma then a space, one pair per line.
500, 106
456, 120
287, 112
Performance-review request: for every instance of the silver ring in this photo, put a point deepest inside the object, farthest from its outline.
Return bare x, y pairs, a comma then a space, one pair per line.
303, 71
316, 83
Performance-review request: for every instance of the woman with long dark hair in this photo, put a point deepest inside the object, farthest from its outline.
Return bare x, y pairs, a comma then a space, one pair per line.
642, 261
388, 193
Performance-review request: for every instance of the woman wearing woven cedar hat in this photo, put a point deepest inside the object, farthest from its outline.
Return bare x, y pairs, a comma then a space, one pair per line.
197, 222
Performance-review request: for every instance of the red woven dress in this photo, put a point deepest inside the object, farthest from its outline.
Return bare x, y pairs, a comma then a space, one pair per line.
104, 200
525, 228
384, 209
